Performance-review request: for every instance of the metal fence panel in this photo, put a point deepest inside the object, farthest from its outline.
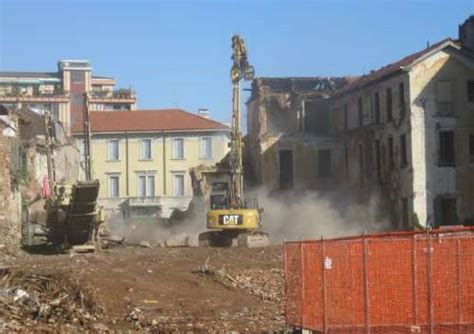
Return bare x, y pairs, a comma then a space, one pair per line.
406, 282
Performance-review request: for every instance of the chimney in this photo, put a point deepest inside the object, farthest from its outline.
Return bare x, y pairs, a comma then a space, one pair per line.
466, 33
203, 112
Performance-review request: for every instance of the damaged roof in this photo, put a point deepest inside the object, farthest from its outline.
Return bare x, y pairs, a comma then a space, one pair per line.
397, 66
336, 86
304, 84
31, 123
148, 121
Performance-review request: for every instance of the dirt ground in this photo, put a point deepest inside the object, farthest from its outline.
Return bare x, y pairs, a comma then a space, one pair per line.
156, 289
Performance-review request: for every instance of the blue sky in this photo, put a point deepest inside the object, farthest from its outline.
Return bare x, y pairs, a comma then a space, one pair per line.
177, 53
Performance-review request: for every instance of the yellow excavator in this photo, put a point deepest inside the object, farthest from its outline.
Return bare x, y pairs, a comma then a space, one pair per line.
232, 221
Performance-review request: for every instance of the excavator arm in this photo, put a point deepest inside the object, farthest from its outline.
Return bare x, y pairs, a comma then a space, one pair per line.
241, 69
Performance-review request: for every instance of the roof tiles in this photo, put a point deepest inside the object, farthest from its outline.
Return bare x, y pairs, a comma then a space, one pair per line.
148, 121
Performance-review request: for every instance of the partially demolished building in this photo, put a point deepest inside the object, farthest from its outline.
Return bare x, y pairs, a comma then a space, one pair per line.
403, 133
289, 120
23, 167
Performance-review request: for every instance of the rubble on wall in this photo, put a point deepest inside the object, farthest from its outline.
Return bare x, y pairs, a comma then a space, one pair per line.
203, 176
9, 203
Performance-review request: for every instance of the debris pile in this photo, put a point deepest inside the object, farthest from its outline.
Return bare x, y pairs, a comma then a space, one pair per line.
9, 240
32, 300
264, 284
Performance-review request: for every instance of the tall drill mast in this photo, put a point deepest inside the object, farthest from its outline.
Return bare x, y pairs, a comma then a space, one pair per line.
87, 138
241, 69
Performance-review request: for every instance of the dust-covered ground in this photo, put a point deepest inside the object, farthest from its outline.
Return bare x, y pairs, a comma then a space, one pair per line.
154, 289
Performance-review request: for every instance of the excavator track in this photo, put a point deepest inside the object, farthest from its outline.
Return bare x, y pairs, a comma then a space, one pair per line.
246, 239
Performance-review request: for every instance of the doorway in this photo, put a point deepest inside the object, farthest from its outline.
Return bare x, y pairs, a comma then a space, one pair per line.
286, 169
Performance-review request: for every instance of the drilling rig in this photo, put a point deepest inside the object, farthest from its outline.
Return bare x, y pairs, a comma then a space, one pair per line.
72, 214
231, 219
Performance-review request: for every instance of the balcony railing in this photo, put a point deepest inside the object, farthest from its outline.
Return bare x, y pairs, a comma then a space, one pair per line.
17, 92
122, 93
144, 201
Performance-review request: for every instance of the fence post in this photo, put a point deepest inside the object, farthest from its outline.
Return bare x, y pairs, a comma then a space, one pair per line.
323, 264
285, 266
430, 278
302, 283
366, 284
414, 281
459, 271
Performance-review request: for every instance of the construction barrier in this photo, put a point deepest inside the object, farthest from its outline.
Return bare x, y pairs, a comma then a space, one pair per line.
404, 282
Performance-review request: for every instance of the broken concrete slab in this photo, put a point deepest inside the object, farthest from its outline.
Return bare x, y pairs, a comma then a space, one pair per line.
178, 240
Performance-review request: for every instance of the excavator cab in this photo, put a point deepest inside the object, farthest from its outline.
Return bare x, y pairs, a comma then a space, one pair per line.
219, 198
231, 226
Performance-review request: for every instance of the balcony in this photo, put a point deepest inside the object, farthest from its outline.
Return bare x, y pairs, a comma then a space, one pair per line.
19, 94
125, 95
181, 202
144, 201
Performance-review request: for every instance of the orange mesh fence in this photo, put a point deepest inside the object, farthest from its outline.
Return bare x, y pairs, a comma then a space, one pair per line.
406, 282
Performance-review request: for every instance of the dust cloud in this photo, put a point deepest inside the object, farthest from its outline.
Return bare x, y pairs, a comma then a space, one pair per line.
289, 216
310, 215
182, 229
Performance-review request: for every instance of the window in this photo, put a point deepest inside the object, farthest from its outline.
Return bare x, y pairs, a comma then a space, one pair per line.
146, 184
324, 163
145, 149
206, 148
360, 111
401, 99
446, 148
388, 102
471, 147
445, 210
470, 90
403, 151
178, 185
285, 169
346, 162
77, 77
114, 190
391, 158
178, 148
377, 108
361, 163
378, 160
113, 150
316, 120
444, 98
346, 123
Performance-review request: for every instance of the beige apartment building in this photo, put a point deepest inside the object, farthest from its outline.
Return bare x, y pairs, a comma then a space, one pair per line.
61, 92
143, 158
